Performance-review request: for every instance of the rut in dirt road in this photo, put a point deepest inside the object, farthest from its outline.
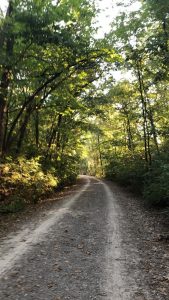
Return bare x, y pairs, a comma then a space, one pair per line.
87, 247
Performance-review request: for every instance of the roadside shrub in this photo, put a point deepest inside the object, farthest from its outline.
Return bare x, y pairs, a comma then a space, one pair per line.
151, 181
156, 187
15, 204
67, 169
128, 170
25, 180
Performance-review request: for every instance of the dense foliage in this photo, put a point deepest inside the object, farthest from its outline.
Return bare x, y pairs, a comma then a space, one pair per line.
135, 149
49, 63
24, 180
61, 110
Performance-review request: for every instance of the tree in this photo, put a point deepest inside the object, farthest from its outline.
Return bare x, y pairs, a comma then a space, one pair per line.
49, 47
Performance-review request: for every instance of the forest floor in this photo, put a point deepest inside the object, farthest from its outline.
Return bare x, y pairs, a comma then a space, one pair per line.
93, 241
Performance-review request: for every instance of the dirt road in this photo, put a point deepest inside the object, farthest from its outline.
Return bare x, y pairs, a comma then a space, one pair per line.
98, 243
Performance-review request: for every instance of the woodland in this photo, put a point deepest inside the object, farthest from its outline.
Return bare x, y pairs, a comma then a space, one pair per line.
63, 113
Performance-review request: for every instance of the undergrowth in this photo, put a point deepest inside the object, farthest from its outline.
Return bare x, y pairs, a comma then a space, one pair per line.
23, 181
151, 181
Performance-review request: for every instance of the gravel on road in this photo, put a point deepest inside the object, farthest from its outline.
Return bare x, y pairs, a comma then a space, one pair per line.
97, 243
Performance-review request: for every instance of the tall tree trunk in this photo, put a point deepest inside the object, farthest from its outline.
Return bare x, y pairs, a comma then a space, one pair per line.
55, 135
37, 127
129, 134
7, 44
154, 131
51, 139
150, 117
28, 102
3, 106
100, 154
23, 127
144, 113
60, 118
164, 26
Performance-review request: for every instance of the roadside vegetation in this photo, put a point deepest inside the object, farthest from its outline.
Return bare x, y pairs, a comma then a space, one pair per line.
49, 65
61, 110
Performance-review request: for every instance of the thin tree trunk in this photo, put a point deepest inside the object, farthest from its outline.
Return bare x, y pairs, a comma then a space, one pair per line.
164, 25
154, 132
52, 137
143, 112
23, 127
151, 119
100, 154
37, 127
130, 138
60, 117
145, 116
55, 135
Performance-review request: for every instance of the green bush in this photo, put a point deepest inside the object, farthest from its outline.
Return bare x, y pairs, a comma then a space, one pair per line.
128, 170
67, 169
15, 204
156, 187
151, 181
25, 179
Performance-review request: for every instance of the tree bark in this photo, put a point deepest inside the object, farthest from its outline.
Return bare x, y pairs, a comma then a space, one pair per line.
7, 44
129, 134
100, 154
23, 127
55, 135
37, 127
144, 114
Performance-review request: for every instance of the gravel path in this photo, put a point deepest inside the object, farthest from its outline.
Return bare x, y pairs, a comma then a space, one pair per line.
98, 243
